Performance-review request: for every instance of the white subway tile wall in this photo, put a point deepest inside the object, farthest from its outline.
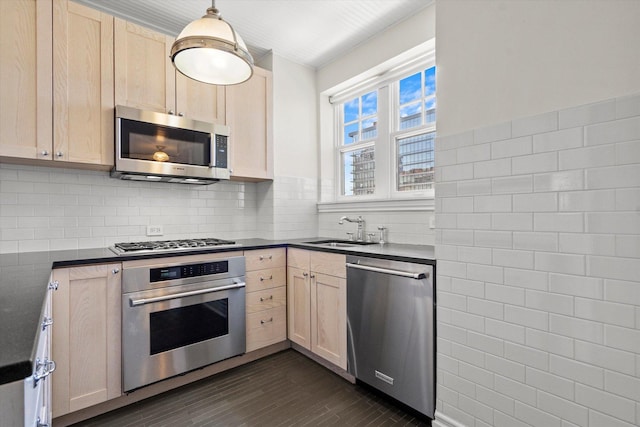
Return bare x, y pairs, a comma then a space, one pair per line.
44, 208
538, 248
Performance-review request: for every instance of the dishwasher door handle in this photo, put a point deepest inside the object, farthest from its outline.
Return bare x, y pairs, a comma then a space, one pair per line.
417, 276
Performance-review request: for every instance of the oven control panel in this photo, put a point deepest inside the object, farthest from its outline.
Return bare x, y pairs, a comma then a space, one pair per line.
162, 274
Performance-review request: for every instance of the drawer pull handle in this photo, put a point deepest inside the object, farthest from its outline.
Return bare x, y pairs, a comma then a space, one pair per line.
263, 257
262, 322
266, 299
47, 321
48, 366
262, 279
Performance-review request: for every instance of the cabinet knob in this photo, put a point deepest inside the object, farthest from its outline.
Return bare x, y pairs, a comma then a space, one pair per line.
313, 276
305, 274
171, 112
115, 271
59, 154
44, 152
181, 114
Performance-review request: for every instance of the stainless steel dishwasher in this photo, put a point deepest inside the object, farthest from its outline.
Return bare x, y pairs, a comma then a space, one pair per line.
391, 329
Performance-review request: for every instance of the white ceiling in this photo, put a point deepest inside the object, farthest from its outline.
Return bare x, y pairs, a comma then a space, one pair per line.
308, 32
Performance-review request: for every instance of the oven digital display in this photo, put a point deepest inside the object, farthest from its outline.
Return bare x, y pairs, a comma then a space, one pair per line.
185, 271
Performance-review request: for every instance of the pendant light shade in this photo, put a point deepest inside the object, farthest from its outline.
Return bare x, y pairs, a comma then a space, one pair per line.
209, 50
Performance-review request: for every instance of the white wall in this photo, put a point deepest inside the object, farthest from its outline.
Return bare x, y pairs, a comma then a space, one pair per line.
503, 59
537, 201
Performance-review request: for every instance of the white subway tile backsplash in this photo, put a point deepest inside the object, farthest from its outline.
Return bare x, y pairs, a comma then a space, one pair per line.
613, 267
495, 400
613, 177
491, 168
474, 153
563, 408
627, 246
549, 343
602, 311
526, 317
488, 309
474, 187
536, 417
512, 221
536, 241
475, 374
477, 409
446, 158
474, 221
474, 255
550, 383
589, 244
628, 199
622, 338
588, 114
581, 286
450, 142
457, 237
622, 385
512, 184
577, 371
468, 354
457, 204
546, 122
499, 203
534, 163
526, 279
567, 222
467, 287
580, 201
511, 147
516, 389
588, 157
614, 131
505, 331
560, 263
628, 106
458, 384
504, 367
452, 333
485, 273
454, 301
492, 133
577, 328
557, 141
456, 172
540, 202
467, 321
548, 302
608, 403
598, 419
513, 258
626, 292
559, 181
613, 222
492, 239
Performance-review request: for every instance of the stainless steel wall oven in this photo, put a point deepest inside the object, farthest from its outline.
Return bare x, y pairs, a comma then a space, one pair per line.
177, 317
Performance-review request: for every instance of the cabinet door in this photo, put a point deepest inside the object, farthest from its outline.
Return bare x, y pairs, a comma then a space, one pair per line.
249, 114
25, 85
145, 77
86, 337
200, 101
329, 318
83, 84
299, 306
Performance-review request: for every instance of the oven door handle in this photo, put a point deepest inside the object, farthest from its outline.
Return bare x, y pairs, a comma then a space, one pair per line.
142, 301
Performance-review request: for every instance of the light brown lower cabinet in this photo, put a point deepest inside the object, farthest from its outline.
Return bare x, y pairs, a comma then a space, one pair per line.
317, 303
266, 297
86, 342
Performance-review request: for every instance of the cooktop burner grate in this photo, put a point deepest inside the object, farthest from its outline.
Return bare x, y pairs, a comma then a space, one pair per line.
169, 245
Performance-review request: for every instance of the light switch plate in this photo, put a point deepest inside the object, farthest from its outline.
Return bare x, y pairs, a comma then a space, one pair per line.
154, 230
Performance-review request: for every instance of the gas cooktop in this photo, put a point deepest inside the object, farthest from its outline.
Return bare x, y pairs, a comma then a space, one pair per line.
130, 248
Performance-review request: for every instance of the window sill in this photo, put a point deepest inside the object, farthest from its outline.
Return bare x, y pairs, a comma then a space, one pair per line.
426, 204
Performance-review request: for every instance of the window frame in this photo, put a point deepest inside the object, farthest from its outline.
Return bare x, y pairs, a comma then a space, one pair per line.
386, 142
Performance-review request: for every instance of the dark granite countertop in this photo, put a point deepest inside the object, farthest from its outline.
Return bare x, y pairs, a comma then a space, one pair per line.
24, 278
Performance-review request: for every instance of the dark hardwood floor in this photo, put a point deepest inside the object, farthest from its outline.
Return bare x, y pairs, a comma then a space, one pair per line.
285, 389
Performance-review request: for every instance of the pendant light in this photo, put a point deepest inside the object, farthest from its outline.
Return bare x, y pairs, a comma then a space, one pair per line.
209, 50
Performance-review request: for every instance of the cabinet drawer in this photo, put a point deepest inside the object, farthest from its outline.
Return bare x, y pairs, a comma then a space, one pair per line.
266, 327
265, 258
266, 299
264, 279
327, 263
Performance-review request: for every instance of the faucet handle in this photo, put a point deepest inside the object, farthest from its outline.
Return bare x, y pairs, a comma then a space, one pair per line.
370, 237
350, 234
381, 238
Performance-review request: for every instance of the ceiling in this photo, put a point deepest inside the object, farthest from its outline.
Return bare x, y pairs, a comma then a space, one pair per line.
308, 32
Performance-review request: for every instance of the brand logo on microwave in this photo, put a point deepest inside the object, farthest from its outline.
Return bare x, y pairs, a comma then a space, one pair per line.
179, 168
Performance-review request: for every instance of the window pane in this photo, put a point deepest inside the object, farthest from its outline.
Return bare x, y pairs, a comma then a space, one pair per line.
430, 110
351, 134
410, 89
351, 109
370, 104
415, 162
430, 81
369, 129
359, 172
410, 116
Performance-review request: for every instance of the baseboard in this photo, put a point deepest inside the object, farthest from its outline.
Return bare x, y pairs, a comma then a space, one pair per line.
445, 421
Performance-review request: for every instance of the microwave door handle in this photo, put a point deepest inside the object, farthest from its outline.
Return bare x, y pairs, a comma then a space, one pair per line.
212, 150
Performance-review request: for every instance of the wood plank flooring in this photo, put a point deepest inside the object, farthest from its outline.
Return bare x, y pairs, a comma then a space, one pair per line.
285, 389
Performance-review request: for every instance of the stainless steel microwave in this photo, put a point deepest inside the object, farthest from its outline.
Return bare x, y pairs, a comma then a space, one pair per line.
154, 146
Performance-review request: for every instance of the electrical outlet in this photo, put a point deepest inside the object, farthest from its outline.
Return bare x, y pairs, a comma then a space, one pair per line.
154, 230
432, 222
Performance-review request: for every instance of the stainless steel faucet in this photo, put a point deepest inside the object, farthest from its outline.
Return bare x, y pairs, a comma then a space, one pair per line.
360, 221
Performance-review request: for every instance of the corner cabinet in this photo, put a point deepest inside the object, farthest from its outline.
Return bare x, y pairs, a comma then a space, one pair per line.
86, 340
266, 297
317, 303
26, 70
82, 84
249, 114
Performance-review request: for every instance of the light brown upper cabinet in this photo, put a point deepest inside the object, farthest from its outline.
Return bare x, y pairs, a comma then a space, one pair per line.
249, 114
25, 79
82, 84
146, 79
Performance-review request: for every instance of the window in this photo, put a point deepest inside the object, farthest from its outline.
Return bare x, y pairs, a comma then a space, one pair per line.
387, 133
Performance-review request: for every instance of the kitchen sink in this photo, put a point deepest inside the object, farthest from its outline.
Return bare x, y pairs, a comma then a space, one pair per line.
339, 243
